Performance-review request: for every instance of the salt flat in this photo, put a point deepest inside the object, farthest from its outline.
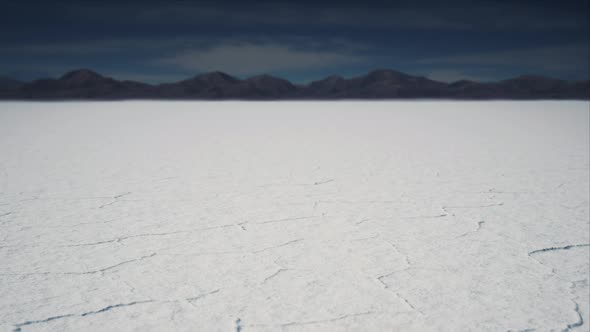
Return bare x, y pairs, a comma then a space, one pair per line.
266, 216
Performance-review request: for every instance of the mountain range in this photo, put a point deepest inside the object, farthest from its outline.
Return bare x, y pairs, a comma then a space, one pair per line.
86, 84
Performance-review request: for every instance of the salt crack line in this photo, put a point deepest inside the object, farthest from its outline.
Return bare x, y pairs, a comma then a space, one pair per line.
317, 183
381, 277
406, 257
362, 221
409, 304
366, 238
93, 243
281, 220
472, 206
237, 252
115, 199
5, 215
200, 296
123, 238
427, 217
578, 323
277, 246
329, 320
122, 195
114, 306
18, 327
386, 286
276, 273
319, 321
80, 273
112, 266
107, 204
568, 247
479, 226
445, 209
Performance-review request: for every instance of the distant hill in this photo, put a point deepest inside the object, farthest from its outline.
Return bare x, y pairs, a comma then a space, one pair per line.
378, 84
212, 85
82, 84
86, 84
218, 85
7, 84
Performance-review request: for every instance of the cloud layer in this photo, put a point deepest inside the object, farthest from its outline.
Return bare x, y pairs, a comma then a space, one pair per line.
299, 40
246, 59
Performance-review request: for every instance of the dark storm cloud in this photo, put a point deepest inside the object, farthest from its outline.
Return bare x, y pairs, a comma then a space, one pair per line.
161, 41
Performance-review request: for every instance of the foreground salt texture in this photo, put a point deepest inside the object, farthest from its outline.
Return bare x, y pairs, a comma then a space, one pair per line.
155, 216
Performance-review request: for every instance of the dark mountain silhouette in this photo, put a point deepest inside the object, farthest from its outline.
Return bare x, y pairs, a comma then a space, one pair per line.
332, 86
214, 85
218, 85
522, 87
267, 87
377, 84
530, 86
82, 84
8, 85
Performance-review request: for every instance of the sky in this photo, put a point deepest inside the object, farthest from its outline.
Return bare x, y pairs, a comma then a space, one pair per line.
167, 41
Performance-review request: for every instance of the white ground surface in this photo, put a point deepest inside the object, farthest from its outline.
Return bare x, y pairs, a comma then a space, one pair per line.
156, 216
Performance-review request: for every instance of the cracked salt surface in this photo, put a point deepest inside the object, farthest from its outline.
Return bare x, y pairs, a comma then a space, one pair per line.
232, 216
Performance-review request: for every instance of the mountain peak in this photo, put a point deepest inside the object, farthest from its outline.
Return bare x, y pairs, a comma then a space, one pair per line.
81, 75
383, 73
332, 78
216, 77
265, 78
328, 81
268, 79
9, 83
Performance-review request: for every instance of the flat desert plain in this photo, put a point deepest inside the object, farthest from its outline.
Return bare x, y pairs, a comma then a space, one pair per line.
303, 216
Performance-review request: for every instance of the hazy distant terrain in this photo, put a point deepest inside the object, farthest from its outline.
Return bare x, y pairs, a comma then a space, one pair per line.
248, 216
378, 84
